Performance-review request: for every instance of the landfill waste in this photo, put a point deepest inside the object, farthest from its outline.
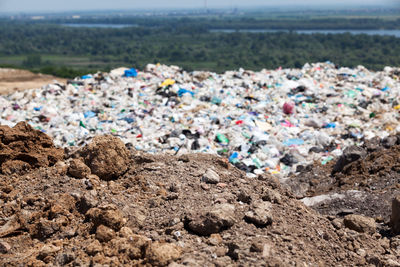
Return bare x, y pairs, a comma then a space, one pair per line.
274, 121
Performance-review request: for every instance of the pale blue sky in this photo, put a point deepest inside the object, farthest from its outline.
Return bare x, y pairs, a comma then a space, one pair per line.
77, 5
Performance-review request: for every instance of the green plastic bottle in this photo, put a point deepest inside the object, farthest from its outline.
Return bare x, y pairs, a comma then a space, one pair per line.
222, 139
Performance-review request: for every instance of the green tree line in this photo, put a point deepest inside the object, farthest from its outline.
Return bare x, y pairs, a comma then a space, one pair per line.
194, 48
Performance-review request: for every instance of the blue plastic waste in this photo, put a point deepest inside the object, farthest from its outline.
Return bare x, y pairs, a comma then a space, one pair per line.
182, 91
293, 142
128, 119
233, 157
130, 73
329, 125
38, 108
216, 100
89, 114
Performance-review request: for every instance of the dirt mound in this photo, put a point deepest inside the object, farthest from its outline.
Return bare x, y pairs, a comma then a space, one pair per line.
162, 211
364, 181
23, 148
17, 80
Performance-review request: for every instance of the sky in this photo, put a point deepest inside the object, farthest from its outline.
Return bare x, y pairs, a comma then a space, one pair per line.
84, 5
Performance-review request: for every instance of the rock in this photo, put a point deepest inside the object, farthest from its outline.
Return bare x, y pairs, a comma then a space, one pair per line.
78, 169
161, 254
65, 258
350, 154
213, 221
259, 214
4, 247
395, 220
23, 148
106, 156
108, 215
104, 234
360, 223
210, 177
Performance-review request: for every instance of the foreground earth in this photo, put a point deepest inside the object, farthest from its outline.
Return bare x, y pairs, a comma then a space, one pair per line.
107, 204
12, 80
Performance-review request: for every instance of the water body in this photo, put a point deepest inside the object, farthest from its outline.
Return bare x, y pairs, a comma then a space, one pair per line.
369, 32
95, 25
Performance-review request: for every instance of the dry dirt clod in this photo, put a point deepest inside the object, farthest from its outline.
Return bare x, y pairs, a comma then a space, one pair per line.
94, 248
78, 169
208, 222
48, 250
271, 196
108, 215
259, 214
360, 223
107, 157
161, 254
104, 234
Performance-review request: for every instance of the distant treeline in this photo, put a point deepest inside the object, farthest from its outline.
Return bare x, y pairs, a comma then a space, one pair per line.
193, 48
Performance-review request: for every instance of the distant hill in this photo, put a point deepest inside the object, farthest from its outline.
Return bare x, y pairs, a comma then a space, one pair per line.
16, 80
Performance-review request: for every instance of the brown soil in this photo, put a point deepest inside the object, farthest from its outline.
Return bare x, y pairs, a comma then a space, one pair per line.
22, 148
161, 212
368, 184
16, 80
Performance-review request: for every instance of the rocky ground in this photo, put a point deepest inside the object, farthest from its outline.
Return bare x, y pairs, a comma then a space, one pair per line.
107, 204
12, 80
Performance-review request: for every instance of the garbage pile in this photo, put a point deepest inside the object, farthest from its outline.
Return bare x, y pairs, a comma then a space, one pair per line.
275, 121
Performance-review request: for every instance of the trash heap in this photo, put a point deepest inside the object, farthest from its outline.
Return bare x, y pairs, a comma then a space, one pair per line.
272, 120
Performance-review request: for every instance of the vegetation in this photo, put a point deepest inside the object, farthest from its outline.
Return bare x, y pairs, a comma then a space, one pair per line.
188, 42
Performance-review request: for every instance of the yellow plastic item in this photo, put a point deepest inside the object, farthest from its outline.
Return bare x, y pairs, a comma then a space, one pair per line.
168, 82
397, 107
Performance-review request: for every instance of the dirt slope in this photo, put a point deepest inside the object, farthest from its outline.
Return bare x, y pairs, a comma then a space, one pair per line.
17, 80
159, 210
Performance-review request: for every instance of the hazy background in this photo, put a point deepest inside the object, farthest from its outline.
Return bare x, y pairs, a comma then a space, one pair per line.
77, 5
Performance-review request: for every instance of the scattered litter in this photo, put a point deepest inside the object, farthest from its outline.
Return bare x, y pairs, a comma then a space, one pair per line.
271, 120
